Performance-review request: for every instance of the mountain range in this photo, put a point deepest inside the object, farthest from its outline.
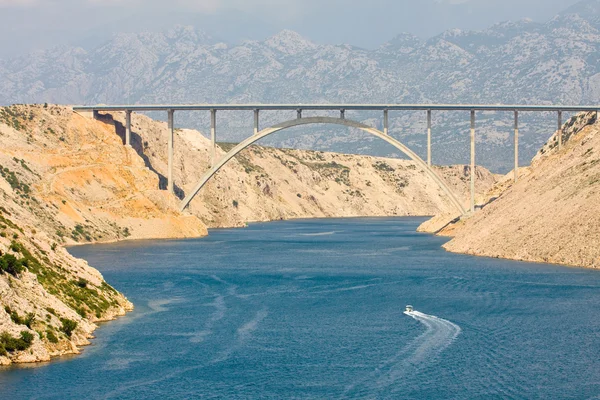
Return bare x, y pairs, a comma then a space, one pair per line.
523, 62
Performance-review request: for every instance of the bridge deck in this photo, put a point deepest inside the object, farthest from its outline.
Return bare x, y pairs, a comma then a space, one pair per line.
337, 107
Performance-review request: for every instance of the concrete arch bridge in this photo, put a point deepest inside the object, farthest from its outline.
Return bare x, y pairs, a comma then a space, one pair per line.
258, 134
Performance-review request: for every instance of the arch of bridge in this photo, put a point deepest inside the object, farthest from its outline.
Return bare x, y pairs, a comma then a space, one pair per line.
322, 120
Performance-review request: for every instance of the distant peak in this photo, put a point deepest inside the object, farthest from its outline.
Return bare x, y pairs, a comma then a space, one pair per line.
404, 42
289, 42
188, 32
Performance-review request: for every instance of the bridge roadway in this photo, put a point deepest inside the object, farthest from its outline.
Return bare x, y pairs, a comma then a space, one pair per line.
334, 107
92, 110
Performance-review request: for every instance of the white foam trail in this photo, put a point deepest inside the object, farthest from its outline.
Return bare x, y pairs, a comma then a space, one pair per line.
216, 316
319, 234
244, 333
439, 334
159, 304
423, 350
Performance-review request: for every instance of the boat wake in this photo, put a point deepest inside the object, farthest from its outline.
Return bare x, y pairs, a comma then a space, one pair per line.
421, 352
439, 335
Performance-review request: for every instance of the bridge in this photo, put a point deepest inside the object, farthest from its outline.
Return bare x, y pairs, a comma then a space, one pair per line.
426, 166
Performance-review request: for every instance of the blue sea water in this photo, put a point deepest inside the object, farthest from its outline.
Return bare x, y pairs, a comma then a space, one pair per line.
314, 310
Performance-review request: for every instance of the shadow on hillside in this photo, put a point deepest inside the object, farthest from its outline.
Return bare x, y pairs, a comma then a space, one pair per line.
137, 144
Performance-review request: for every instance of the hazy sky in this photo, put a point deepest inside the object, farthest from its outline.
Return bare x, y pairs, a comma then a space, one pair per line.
29, 24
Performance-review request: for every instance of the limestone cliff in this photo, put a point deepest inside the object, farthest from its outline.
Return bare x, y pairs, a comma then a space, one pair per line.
49, 300
552, 214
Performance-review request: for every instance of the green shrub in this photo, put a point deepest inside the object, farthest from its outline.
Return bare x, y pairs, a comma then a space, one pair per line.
29, 320
68, 326
11, 265
17, 319
27, 337
10, 344
51, 336
82, 283
235, 203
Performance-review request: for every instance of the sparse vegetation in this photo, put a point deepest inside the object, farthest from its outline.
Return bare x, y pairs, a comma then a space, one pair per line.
68, 326
80, 232
17, 319
9, 344
383, 166
51, 336
331, 170
82, 283
21, 188
12, 265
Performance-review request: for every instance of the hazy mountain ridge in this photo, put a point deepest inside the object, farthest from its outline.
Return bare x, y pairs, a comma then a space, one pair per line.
512, 62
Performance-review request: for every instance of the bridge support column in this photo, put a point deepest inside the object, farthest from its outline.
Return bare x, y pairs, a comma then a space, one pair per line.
128, 128
299, 113
342, 114
560, 130
386, 121
256, 122
171, 133
516, 146
213, 137
429, 138
472, 161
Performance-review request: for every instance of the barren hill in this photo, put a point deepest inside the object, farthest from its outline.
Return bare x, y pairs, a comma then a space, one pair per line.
552, 214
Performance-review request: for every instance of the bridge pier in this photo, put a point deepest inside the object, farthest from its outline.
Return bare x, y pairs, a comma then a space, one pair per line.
386, 122
171, 134
342, 114
429, 138
516, 146
472, 161
128, 128
256, 121
299, 113
213, 137
560, 130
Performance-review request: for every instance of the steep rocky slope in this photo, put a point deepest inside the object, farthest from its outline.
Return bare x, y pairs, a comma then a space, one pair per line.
82, 183
49, 300
552, 214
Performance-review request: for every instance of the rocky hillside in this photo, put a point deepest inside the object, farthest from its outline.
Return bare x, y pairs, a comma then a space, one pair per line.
513, 62
49, 300
552, 214
264, 184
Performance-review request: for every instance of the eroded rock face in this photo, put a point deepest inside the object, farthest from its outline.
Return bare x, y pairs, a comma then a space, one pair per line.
552, 214
53, 297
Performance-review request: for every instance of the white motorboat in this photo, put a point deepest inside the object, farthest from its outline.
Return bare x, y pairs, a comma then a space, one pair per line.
409, 309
